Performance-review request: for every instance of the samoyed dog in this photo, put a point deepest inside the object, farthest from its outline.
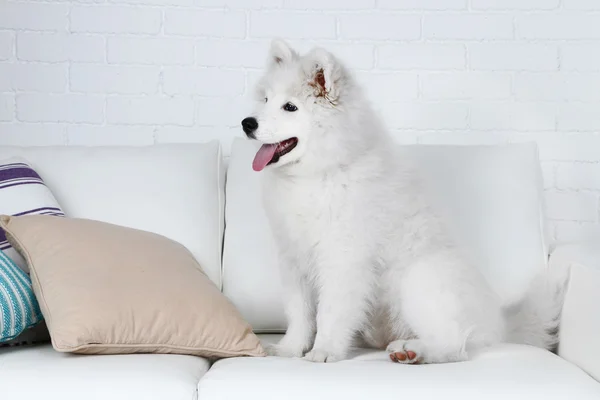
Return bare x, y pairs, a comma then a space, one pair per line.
365, 258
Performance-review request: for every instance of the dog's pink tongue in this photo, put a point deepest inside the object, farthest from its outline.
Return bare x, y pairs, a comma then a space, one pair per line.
263, 156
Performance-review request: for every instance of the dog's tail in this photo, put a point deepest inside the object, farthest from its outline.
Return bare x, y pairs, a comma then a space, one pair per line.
535, 319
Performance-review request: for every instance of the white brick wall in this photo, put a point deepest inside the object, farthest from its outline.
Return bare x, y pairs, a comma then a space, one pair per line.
114, 19
6, 45
59, 47
137, 72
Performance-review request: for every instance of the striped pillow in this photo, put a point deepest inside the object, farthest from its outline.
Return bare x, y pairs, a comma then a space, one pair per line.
23, 192
19, 309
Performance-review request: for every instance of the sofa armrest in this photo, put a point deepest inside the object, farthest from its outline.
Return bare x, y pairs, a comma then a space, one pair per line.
580, 319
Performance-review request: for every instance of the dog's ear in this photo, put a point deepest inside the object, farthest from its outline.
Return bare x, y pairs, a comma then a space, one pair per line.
281, 52
324, 73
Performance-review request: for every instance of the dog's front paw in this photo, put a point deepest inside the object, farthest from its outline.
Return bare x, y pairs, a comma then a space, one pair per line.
322, 356
289, 346
279, 350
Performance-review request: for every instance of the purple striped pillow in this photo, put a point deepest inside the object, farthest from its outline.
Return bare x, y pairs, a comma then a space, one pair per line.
23, 192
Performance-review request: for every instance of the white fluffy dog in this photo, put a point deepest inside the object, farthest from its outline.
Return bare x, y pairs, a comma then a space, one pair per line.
363, 253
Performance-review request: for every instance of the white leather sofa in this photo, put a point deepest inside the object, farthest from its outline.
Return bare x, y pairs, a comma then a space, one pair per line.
190, 193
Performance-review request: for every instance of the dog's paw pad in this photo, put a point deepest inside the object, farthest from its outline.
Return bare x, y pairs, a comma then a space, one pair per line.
402, 352
402, 357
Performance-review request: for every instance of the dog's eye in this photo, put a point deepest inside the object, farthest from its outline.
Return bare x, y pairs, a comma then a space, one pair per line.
266, 99
289, 107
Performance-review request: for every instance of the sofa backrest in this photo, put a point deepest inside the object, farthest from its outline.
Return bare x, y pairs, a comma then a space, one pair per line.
493, 199
175, 190
493, 195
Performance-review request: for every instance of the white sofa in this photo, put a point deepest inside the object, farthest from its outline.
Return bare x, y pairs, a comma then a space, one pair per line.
492, 195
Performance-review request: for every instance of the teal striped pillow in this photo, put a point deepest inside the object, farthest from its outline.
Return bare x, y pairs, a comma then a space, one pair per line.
19, 309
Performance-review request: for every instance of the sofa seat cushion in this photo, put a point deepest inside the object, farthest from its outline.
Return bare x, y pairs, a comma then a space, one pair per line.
500, 373
39, 372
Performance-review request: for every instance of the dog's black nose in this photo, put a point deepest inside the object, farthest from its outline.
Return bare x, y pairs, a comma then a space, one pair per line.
249, 125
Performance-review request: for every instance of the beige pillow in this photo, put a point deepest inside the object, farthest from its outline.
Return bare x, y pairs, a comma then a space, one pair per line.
107, 289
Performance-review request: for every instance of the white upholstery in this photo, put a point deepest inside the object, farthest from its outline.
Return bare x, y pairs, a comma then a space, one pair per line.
580, 320
505, 372
492, 196
39, 372
174, 190
177, 191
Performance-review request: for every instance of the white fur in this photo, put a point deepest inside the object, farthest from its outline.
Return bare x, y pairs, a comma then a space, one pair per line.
363, 254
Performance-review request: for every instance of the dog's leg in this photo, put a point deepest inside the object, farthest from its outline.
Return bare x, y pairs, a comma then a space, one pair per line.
300, 312
447, 307
345, 286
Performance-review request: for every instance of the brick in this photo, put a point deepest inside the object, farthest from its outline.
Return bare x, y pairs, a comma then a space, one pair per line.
581, 4
329, 4
39, 107
252, 78
462, 138
231, 53
560, 27
91, 78
389, 87
533, 116
548, 174
405, 137
20, 134
155, 110
110, 135
514, 4
240, 4
7, 41
491, 116
571, 206
425, 56
115, 19
155, 2
203, 81
353, 55
513, 116
292, 25
58, 47
578, 176
412, 115
222, 111
558, 146
474, 27
34, 16
580, 57
465, 85
7, 106
33, 77
557, 86
539, 86
509, 56
572, 231
420, 5
137, 50
212, 23
380, 26
579, 117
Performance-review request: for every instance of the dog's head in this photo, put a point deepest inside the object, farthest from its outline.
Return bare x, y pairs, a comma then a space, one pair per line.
300, 103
